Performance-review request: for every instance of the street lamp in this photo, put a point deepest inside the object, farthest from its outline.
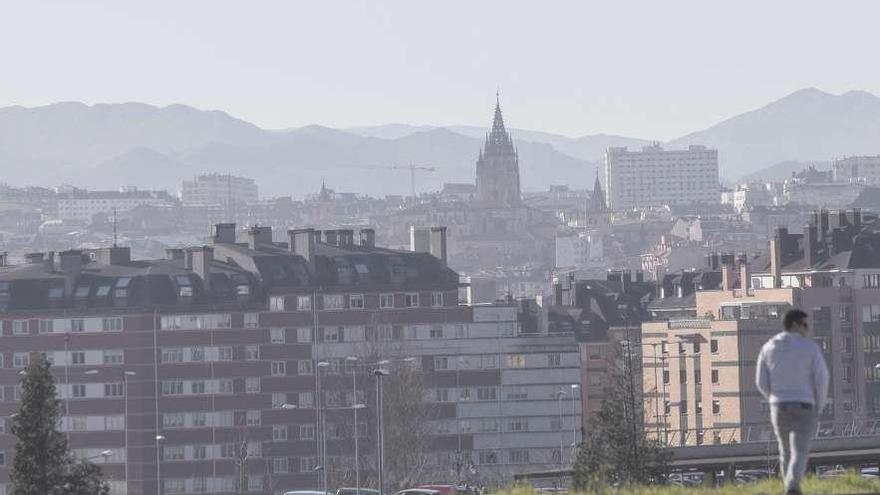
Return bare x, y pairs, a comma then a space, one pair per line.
158, 438
380, 437
125, 375
460, 454
559, 395
104, 453
322, 425
354, 387
574, 392
289, 406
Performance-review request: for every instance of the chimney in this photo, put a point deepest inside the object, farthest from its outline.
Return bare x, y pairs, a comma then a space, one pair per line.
201, 263
776, 260
331, 237
419, 239
745, 276
49, 264
224, 233
438, 243
346, 237
114, 255
823, 224
259, 236
557, 293
303, 242
174, 253
811, 245
857, 218
33, 258
71, 264
726, 277
4, 259
368, 238
625, 281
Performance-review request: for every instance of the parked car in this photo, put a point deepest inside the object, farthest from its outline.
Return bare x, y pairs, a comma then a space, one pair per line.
355, 491
419, 491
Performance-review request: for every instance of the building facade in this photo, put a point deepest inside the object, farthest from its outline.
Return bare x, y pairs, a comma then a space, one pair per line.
657, 177
858, 169
246, 362
219, 189
81, 206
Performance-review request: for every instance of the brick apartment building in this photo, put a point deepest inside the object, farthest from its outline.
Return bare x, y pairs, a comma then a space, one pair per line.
704, 390
180, 366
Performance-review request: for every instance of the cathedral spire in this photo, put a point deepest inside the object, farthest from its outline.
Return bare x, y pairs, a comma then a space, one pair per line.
597, 200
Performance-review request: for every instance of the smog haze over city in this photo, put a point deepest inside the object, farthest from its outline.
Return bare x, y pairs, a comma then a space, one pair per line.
438, 248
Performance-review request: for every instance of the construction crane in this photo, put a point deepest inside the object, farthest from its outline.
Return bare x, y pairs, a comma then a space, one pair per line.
413, 168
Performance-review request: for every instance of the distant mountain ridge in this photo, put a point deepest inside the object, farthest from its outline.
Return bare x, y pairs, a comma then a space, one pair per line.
112, 145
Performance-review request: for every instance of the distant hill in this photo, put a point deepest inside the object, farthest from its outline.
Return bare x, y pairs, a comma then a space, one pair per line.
806, 125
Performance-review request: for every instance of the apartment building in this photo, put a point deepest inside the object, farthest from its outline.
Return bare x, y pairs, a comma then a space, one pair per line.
703, 390
185, 367
656, 177
857, 169
83, 205
219, 189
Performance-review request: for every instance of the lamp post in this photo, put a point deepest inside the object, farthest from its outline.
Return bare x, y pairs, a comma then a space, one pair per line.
559, 395
104, 453
460, 455
125, 375
380, 436
354, 402
159, 438
574, 392
322, 425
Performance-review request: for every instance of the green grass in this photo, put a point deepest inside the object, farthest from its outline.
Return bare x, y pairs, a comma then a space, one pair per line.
850, 483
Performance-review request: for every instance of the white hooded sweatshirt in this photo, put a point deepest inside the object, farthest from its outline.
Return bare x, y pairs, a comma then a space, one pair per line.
791, 368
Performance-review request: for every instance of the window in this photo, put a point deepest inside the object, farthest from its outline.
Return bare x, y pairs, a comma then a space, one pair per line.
224, 386
516, 361
554, 360
386, 301
114, 390
665, 376
251, 320
334, 334
436, 332
306, 399
698, 407
77, 325
279, 465
199, 452
276, 335
197, 354
21, 359
47, 326
872, 281
411, 300
682, 376
173, 453
172, 388
307, 431
698, 377
713, 346
305, 367
78, 357
174, 486
252, 353
279, 433
488, 425
681, 347
199, 420
279, 368
174, 420
356, 301
847, 374
78, 423
488, 362
304, 335
697, 347
441, 395
172, 355
716, 406
114, 356
19, 327
333, 301
112, 324
715, 379
303, 303
487, 457
517, 424
683, 407
436, 299
276, 303
519, 392
252, 385
486, 393
846, 313
78, 390
441, 363
252, 418
224, 354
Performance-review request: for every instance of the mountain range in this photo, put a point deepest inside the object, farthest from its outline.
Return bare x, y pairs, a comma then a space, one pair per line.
114, 145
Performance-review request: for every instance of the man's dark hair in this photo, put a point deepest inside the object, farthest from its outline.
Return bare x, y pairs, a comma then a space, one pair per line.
792, 318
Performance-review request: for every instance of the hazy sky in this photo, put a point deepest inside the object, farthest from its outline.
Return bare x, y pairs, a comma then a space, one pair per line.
651, 69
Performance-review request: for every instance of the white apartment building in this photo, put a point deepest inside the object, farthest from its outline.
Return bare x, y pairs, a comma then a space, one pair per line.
83, 205
657, 177
861, 169
218, 189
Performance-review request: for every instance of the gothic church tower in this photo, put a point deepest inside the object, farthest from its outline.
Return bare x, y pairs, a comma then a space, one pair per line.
498, 166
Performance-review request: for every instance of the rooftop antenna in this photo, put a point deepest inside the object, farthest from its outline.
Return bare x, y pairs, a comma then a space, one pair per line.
115, 234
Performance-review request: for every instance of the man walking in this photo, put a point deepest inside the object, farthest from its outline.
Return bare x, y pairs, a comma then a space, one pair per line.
792, 376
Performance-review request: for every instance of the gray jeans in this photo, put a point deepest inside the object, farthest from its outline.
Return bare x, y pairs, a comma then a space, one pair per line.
795, 426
